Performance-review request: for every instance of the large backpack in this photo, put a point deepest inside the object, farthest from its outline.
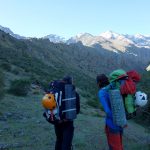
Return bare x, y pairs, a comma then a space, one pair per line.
65, 102
126, 83
117, 105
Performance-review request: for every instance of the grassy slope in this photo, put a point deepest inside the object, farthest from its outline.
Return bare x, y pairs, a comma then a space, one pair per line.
22, 127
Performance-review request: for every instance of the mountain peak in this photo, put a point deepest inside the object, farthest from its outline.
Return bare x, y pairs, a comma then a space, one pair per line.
109, 34
84, 35
7, 30
55, 38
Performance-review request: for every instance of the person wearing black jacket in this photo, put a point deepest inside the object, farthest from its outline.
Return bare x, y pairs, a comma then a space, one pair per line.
64, 129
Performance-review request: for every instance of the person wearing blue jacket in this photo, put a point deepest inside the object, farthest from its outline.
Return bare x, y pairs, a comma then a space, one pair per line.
113, 132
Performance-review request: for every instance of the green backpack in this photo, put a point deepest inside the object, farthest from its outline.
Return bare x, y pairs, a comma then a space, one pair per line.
121, 80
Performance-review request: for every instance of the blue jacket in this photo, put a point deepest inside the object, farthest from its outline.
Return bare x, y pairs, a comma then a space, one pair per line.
105, 101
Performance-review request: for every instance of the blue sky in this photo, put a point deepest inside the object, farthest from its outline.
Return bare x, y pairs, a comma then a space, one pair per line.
37, 18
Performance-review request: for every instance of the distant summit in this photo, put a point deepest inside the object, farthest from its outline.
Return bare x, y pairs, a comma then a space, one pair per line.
109, 35
55, 38
7, 30
112, 41
108, 40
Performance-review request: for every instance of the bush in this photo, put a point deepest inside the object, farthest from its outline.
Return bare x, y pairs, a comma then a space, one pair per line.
15, 71
1, 84
6, 66
19, 87
93, 102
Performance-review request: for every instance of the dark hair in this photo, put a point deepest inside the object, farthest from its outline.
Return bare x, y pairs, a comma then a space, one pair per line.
68, 79
102, 80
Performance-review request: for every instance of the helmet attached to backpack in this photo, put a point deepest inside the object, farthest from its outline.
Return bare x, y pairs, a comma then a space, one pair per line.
49, 101
141, 99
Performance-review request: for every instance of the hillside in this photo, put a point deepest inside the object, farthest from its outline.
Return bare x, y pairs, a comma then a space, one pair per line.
22, 126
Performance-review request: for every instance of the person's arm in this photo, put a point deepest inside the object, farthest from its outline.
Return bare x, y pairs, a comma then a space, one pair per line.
103, 98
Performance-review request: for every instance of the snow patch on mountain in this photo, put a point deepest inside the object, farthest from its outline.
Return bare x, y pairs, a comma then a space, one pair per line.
111, 40
55, 38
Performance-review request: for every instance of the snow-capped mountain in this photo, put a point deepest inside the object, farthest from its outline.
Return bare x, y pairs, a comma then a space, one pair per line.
85, 38
55, 38
109, 35
140, 40
112, 41
7, 30
108, 40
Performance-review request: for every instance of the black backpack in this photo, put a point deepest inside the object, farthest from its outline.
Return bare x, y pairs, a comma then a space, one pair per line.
66, 100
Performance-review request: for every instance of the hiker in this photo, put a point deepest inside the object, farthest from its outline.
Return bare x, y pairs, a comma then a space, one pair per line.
113, 132
64, 127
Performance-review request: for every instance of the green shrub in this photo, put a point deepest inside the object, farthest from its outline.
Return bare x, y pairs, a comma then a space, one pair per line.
15, 71
19, 87
6, 66
93, 102
1, 84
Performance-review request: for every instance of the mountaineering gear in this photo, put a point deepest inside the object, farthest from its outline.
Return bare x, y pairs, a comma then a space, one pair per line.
52, 114
64, 133
129, 92
126, 83
129, 103
70, 102
49, 101
141, 99
117, 74
134, 75
117, 106
127, 86
66, 101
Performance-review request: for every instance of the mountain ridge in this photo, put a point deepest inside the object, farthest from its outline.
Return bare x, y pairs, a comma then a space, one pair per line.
88, 39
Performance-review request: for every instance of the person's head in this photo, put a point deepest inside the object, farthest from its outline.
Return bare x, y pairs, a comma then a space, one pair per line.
102, 80
68, 79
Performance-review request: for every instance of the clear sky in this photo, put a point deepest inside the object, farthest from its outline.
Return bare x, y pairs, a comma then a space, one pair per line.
70, 17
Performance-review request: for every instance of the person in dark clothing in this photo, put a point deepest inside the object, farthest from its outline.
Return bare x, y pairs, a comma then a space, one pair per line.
64, 129
113, 132
64, 134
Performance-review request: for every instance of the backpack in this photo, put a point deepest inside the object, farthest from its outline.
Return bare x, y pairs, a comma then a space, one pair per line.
117, 105
65, 102
51, 103
128, 86
128, 90
126, 83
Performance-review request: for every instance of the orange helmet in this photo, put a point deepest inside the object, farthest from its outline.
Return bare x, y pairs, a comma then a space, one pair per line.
49, 102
